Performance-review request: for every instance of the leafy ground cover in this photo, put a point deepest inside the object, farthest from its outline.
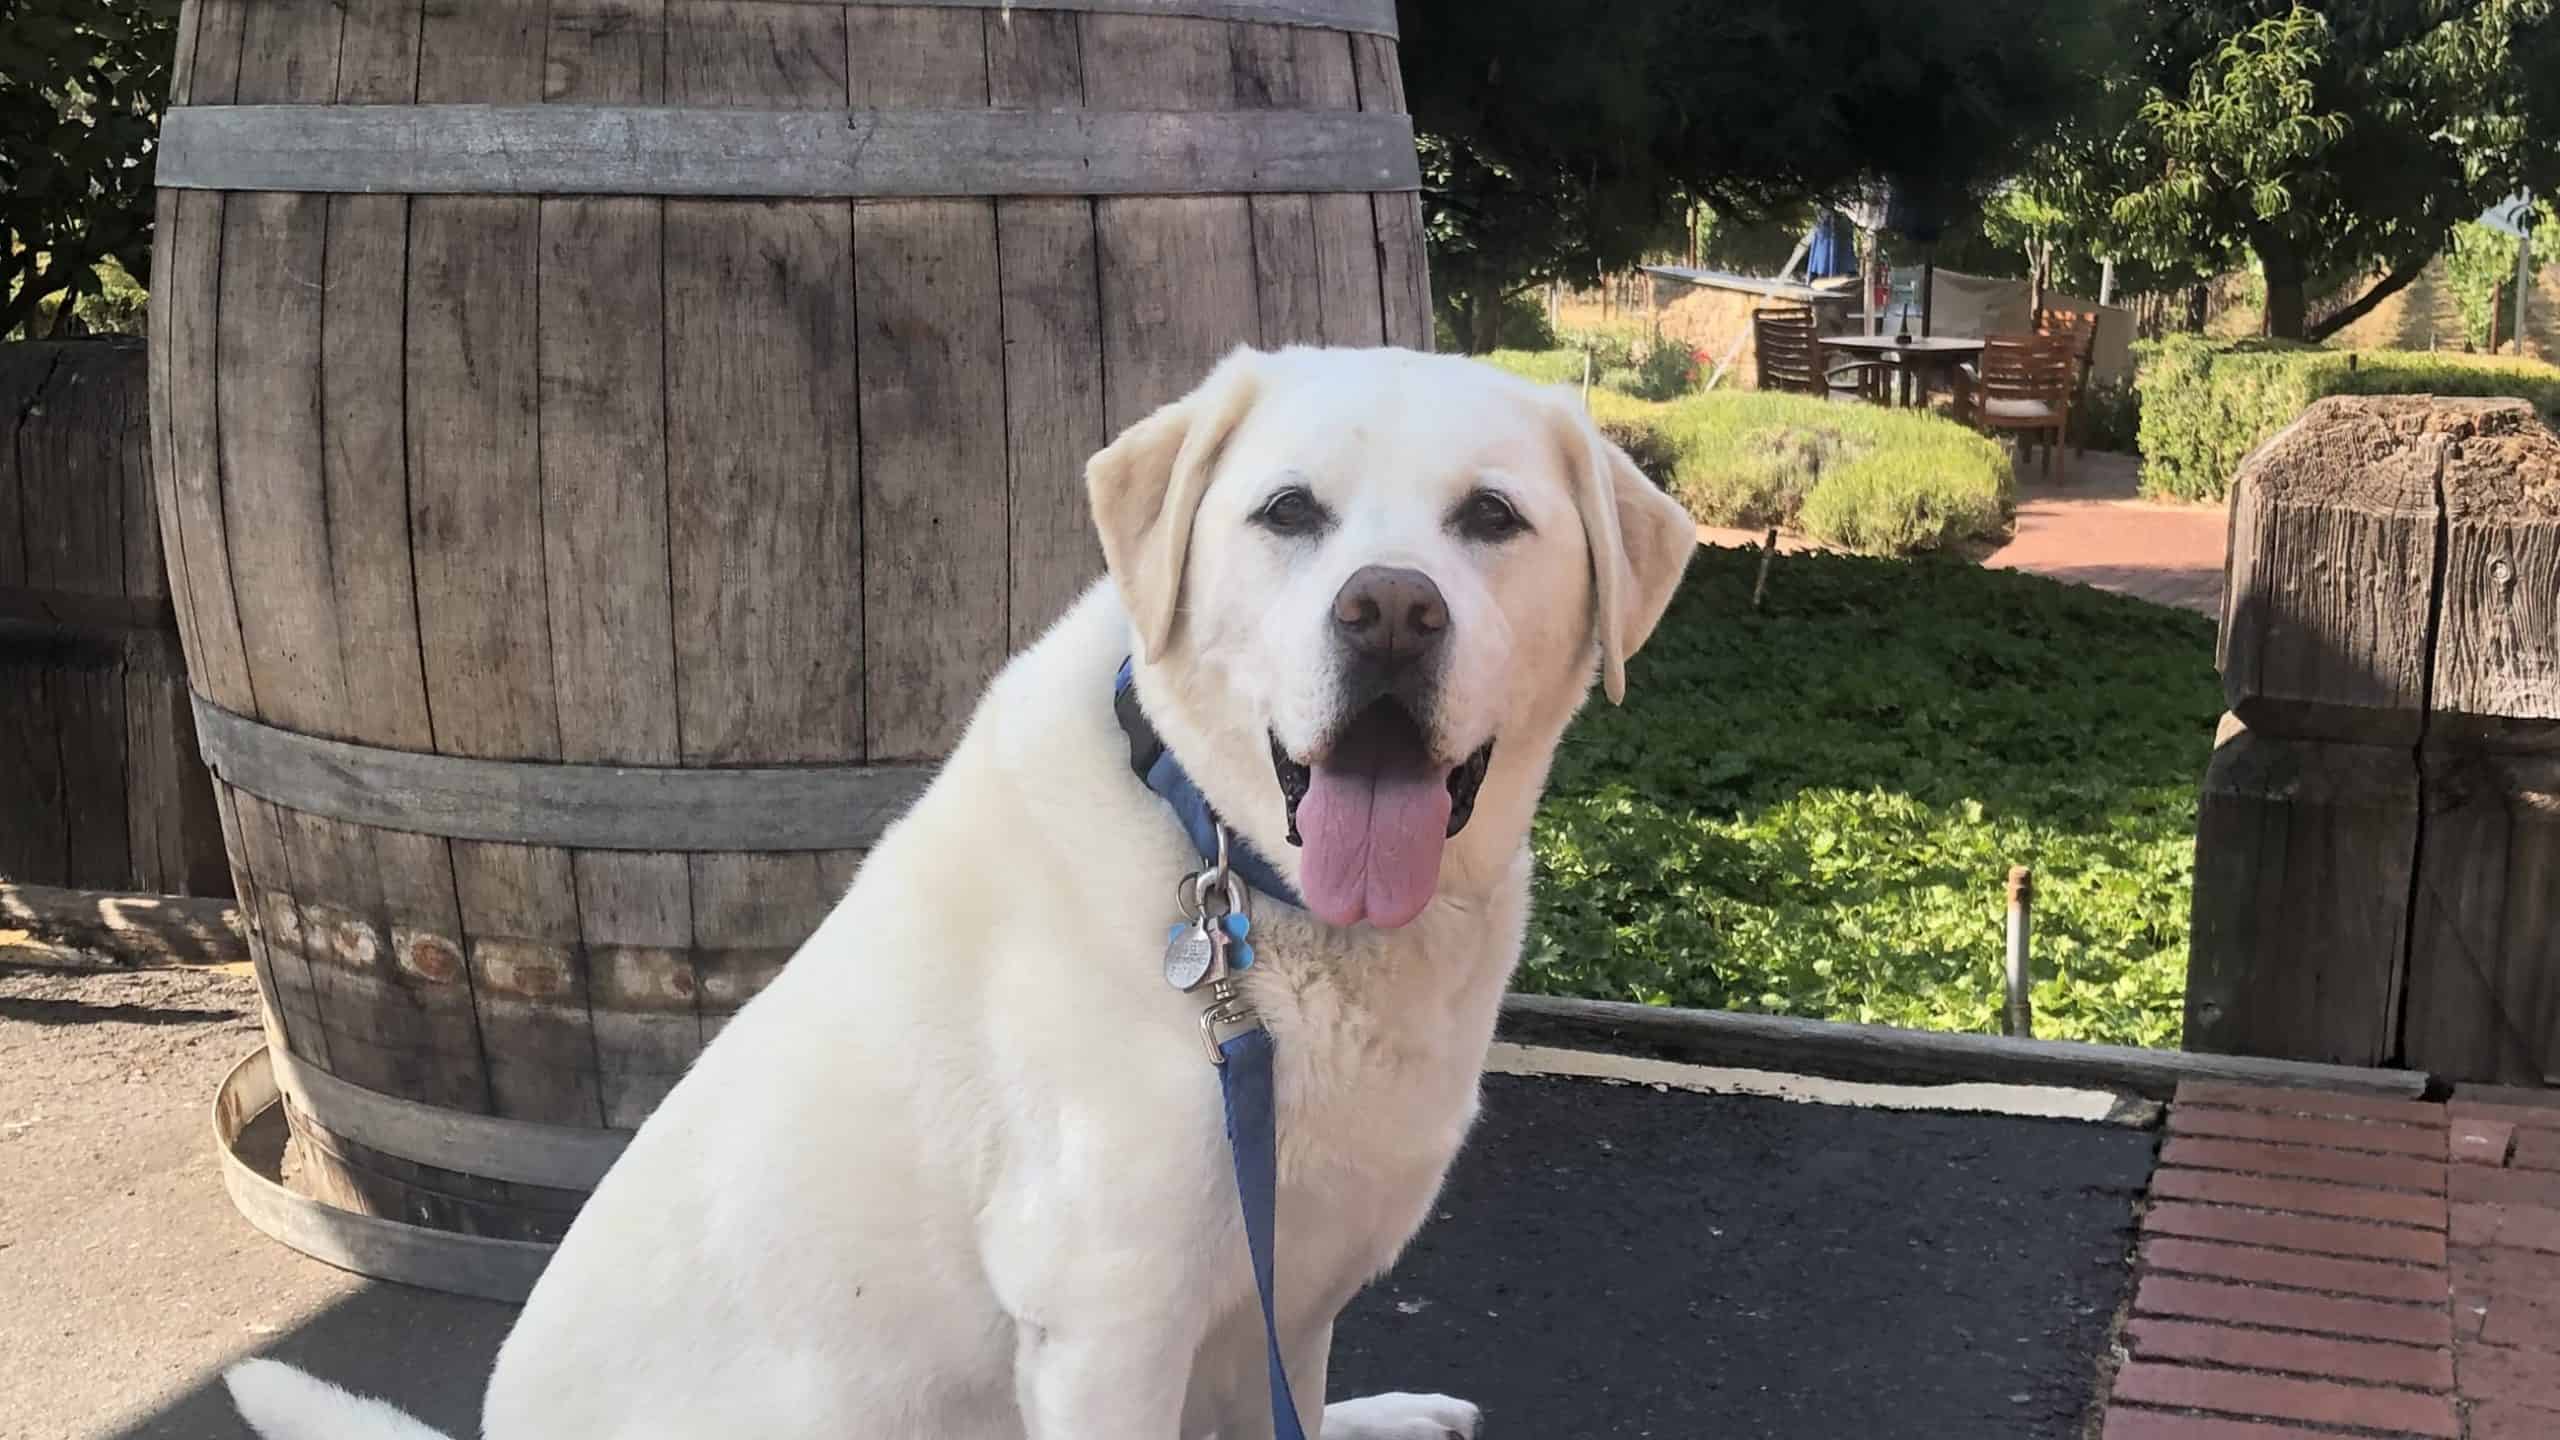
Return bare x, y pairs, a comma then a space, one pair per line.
1810, 810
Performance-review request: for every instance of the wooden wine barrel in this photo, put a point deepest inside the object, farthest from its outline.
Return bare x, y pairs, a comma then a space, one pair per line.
609, 443
101, 787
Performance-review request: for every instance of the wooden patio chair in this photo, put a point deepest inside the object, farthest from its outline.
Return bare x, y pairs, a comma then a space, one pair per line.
2023, 388
2080, 329
1788, 351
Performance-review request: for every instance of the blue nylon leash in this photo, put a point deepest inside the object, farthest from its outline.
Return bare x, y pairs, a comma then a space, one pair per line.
1245, 1081
1253, 1136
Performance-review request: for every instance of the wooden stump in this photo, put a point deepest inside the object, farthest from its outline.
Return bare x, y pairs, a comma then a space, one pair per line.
101, 786
2378, 848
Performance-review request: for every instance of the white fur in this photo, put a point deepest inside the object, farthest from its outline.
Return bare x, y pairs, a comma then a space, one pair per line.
960, 1171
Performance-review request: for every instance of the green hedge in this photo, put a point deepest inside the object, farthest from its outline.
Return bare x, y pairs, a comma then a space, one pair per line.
1858, 477
2207, 404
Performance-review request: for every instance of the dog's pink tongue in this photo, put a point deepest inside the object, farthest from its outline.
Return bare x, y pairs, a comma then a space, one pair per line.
1372, 843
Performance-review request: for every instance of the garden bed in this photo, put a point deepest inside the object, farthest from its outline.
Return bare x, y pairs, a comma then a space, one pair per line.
1809, 810
1854, 477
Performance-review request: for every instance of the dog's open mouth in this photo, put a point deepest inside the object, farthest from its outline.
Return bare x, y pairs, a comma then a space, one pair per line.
1373, 814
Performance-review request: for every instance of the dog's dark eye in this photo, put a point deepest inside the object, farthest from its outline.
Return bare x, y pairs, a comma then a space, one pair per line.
1292, 512
1488, 518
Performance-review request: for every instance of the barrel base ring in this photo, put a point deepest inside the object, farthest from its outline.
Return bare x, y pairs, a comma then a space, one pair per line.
363, 1244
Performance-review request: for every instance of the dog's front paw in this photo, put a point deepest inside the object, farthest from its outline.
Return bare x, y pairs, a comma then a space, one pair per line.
1401, 1417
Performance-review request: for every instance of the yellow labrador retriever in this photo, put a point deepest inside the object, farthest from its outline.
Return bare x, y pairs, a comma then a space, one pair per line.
962, 1171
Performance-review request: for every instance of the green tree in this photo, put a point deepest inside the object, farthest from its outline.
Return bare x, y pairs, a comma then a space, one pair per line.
2338, 146
1563, 140
81, 86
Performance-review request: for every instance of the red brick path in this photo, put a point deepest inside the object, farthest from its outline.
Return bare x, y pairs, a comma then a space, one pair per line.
2335, 1265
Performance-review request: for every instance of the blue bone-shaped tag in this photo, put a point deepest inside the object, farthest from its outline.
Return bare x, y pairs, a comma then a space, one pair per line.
1240, 956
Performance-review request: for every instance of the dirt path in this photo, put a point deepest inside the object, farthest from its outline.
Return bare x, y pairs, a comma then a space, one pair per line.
126, 1278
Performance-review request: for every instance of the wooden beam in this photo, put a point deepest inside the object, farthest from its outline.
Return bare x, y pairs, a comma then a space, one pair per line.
105, 930
1911, 1057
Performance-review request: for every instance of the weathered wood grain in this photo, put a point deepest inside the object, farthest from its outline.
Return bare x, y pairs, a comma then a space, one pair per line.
378, 52
2304, 858
88, 928
210, 72
595, 806
35, 846
605, 529
62, 488
763, 450
255, 838
1178, 282
475, 505
2315, 644
1033, 62
1364, 16
529, 981
755, 53
289, 52
2496, 671
2484, 993
467, 149
274, 494
397, 888
187, 269
1052, 341
89, 791
606, 52
915, 57
1404, 279
488, 50
276, 516
930, 336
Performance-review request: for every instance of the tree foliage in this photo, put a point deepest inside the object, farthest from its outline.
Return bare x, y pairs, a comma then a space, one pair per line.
2339, 146
81, 85
1564, 140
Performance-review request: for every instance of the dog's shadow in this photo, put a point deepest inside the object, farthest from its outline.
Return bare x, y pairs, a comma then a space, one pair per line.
430, 1353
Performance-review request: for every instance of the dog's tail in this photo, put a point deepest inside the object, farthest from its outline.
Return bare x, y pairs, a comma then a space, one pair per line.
282, 1403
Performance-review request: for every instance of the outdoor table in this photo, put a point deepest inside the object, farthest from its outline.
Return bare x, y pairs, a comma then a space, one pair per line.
1918, 358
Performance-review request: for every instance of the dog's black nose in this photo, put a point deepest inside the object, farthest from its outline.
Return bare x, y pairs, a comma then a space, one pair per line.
1388, 613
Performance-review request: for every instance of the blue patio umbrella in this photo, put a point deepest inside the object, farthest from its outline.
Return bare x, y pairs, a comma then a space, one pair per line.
1832, 253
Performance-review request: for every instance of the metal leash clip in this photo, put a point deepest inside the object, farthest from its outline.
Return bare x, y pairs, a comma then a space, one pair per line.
1210, 947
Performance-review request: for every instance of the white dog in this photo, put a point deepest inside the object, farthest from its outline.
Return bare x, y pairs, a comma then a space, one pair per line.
961, 1172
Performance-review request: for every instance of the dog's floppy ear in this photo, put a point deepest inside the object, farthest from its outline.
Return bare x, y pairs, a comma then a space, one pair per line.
1145, 487
1641, 541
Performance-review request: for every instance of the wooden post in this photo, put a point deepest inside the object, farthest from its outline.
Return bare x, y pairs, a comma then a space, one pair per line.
2020, 1019
2378, 845
2524, 268
1768, 552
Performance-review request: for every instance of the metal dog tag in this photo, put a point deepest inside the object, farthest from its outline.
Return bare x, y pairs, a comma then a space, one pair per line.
1192, 954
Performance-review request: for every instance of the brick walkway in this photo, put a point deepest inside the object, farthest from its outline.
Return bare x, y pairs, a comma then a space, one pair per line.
2333, 1265
2096, 529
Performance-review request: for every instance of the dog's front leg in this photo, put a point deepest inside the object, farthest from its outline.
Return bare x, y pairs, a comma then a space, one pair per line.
1101, 1382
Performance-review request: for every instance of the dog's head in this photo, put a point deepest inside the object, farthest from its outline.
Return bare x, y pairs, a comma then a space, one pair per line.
1369, 589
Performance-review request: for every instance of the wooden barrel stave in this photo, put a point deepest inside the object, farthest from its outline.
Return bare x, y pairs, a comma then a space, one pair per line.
410, 499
